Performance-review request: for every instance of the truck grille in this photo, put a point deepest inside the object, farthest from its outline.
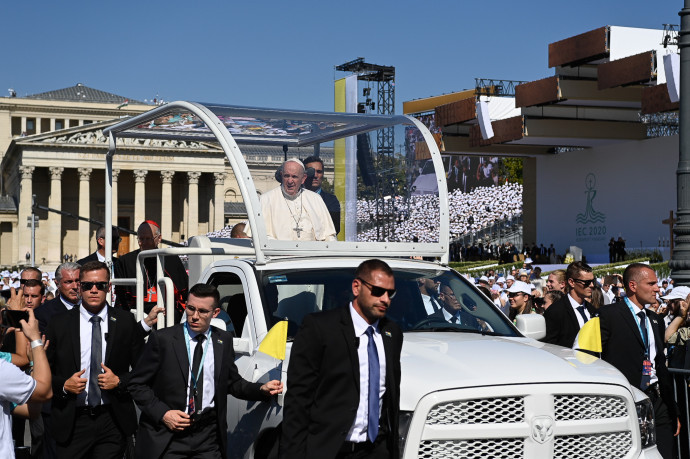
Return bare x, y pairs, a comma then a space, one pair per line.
483, 411
602, 446
508, 448
573, 407
563, 421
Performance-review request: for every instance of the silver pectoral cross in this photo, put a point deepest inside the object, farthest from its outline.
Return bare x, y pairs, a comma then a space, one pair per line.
298, 230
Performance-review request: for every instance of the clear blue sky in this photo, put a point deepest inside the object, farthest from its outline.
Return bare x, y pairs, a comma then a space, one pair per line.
282, 54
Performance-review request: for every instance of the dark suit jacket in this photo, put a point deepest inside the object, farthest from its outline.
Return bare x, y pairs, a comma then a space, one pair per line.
45, 312
333, 207
123, 347
323, 385
623, 348
94, 257
159, 384
126, 268
466, 318
561, 322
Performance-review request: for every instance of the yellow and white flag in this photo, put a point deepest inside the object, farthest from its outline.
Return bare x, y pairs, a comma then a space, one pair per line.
275, 341
589, 339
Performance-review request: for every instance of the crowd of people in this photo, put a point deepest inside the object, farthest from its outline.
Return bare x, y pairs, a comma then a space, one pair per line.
78, 367
623, 304
416, 220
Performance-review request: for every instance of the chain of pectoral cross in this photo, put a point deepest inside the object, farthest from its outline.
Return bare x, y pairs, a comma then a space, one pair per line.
297, 228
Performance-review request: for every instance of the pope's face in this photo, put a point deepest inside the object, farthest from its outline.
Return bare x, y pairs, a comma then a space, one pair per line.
293, 177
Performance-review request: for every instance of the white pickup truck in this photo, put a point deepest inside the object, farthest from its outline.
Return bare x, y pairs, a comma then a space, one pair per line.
484, 391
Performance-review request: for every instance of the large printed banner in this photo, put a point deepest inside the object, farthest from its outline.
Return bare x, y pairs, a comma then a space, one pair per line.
345, 160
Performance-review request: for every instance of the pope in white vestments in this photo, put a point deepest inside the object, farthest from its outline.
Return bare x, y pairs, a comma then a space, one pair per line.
295, 214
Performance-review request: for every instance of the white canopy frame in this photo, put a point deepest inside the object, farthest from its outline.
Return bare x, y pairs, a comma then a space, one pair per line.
264, 248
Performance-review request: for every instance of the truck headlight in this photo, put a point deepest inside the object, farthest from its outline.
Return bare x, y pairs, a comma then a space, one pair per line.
404, 421
645, 419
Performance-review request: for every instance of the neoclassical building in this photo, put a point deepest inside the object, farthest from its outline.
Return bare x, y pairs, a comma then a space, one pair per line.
187, 187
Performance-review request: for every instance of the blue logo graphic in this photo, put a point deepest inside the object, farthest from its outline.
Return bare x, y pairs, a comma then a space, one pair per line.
590, 215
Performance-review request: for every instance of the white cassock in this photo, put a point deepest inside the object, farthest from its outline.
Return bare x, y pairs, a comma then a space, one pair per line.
304, 218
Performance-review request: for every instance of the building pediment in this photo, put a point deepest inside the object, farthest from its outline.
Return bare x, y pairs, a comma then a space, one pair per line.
91, 135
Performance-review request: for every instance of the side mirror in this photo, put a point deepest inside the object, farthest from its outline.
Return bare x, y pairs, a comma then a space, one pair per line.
241, 346
531, 325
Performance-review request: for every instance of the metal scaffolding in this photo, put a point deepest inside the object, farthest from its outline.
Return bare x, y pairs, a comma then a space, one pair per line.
384, 77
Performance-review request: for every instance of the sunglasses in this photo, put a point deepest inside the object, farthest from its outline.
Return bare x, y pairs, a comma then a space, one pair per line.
86, 286
514, 294
30, 282
378, 291
584, 283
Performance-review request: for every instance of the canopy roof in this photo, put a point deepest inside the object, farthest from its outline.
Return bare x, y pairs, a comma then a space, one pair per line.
256, 126
235, 126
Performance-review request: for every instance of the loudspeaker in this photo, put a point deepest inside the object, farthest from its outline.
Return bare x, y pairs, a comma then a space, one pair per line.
672, 71
484, 120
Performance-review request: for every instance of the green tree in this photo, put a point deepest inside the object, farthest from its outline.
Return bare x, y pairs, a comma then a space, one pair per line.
513, 170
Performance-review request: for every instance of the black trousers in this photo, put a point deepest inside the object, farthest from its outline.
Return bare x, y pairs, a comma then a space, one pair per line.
49, 446
94, 436
665, 428
195, 443
367, 450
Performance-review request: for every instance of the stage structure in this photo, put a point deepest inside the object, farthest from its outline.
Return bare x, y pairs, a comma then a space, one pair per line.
389, 183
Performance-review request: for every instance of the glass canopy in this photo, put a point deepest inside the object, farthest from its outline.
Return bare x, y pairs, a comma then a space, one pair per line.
385, 171
260, 126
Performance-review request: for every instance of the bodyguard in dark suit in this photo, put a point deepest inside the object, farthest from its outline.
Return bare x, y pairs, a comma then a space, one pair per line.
91, 350
451, 310
149, 236
99, 254
181, 385
332, 203
334, 354
632, 335
67, 297
565, 317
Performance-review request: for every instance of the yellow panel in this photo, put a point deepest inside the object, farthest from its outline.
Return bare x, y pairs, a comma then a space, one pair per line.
339, 156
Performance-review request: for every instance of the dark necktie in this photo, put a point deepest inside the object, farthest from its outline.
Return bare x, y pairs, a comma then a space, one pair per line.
96, 356
581, 310
646, 378
374, 375
454, 319
196, 361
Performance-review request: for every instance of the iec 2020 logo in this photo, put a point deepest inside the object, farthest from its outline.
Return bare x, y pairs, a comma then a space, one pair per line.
590, 225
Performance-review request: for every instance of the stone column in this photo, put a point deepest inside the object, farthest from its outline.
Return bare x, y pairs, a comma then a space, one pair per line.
83, 248
54, 233
219, 201
193, 199
139, 198
24, 212
116, 173
166, 204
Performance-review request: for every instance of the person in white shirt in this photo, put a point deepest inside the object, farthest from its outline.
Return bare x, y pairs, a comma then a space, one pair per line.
18, 388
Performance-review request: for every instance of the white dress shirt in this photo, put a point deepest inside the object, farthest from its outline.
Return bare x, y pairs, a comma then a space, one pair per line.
358, 431
209, 390
85, 331
650, 333
576, 305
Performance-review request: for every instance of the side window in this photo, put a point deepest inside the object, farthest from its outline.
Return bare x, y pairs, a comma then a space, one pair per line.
233, 304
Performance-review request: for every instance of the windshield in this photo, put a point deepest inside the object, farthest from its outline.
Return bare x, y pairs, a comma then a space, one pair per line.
426, 300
